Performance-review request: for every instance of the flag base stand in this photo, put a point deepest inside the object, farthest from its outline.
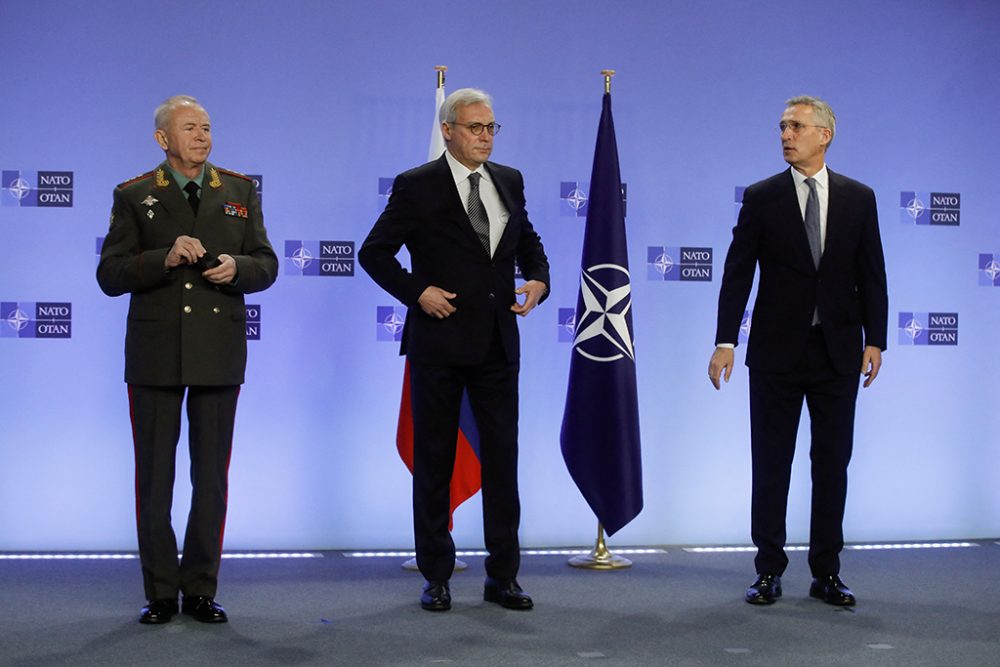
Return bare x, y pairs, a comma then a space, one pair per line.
411, 565
600, 558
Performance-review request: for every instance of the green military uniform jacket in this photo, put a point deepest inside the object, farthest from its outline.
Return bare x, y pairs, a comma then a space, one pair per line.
183, 329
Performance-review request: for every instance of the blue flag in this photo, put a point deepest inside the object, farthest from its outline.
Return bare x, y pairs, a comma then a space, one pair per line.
600, 429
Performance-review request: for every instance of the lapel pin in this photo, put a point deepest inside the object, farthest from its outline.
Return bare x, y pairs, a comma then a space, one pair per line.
150, 200
149, 214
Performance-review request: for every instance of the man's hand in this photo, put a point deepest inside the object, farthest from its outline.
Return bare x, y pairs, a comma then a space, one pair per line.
871, 362
533, 290
224, 273
435, 302
186, 250
722, 360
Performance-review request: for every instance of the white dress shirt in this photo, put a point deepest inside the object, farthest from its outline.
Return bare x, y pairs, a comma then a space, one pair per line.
495, 210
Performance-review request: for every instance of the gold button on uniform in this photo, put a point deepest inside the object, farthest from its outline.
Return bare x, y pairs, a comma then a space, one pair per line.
187, 309
216, 310
188, 285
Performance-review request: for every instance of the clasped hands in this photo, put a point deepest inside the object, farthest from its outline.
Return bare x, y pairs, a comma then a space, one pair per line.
188, 250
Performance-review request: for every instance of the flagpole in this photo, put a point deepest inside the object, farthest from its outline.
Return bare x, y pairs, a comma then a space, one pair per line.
600, 558
460, 564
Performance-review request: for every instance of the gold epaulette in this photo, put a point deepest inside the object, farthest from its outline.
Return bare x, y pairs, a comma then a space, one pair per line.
134, 180
237, 174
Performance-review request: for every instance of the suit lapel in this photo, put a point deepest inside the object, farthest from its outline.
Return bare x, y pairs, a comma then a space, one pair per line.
213, 193
171, 198
506, 199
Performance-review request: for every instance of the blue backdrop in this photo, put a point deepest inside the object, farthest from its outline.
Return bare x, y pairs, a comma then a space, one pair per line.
325, 99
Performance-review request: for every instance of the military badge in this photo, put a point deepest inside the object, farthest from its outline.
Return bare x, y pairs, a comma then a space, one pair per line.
149, 214
216, 182
149, 201
235, 209
161, 179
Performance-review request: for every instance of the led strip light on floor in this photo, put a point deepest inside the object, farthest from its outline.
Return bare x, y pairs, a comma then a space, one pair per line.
132, 556
854, 547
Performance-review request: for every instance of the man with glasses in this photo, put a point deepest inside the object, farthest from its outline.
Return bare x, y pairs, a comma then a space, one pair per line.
821, 314
463, 221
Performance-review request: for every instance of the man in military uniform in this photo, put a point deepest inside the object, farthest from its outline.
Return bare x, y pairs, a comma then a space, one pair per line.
187, 241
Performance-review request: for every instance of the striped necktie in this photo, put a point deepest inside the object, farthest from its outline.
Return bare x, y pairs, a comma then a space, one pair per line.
477, 212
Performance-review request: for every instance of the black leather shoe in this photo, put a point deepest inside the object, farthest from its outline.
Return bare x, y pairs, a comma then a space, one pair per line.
204, 609
158, 611
507, 594
831, 590
436, 596
765, 590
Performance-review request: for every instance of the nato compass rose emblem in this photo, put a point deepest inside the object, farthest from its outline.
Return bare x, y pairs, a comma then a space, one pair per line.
393, 323
992, 269
663, 264
915, 207
913, 328
19, 188
576, 198
17, 320
302, 258
602, 331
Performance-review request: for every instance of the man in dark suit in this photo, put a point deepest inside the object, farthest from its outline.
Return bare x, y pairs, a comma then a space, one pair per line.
464, 223
821, 314
185, 334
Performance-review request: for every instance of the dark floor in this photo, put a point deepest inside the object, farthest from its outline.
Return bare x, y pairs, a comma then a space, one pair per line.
916, 607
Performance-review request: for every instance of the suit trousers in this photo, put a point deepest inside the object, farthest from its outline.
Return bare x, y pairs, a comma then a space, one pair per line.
436, 394
156, 425
775, 409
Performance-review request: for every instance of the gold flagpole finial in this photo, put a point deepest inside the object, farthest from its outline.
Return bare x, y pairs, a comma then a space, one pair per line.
440, 69
607, 74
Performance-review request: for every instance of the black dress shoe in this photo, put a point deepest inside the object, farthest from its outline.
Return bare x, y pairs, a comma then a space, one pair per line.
203, 608
831, 590
765, 590
507, 594
436, 596
158, 611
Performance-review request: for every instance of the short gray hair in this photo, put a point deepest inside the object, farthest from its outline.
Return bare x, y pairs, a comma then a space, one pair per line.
821, 111
461, 98
162, 115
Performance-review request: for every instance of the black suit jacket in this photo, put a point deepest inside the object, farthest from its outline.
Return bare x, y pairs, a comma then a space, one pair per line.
182, 329
849, 288
425, 213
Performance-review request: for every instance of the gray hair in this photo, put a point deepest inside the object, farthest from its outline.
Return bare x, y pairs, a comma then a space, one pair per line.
821, 111
162, 115
461, 98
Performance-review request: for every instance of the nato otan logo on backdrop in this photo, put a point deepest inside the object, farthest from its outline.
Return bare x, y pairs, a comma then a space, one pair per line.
319, 258
928, 328
389, 322
19, 319
37, 188
573, 198
679, 263
930, 208
384, 190
258, 184
989, 269
253, 321
567, 325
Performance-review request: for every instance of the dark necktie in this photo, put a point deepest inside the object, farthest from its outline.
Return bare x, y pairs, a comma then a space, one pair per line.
192, 189
477, 212
812, 222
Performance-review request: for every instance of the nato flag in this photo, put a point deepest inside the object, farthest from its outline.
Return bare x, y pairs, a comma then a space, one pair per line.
600, 429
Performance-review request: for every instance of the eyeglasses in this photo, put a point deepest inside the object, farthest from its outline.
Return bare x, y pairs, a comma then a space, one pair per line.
477, 128
795, 126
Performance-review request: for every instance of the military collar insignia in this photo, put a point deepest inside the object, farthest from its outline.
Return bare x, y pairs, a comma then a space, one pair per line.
149, 201
216, 182
235, 209
161, 178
